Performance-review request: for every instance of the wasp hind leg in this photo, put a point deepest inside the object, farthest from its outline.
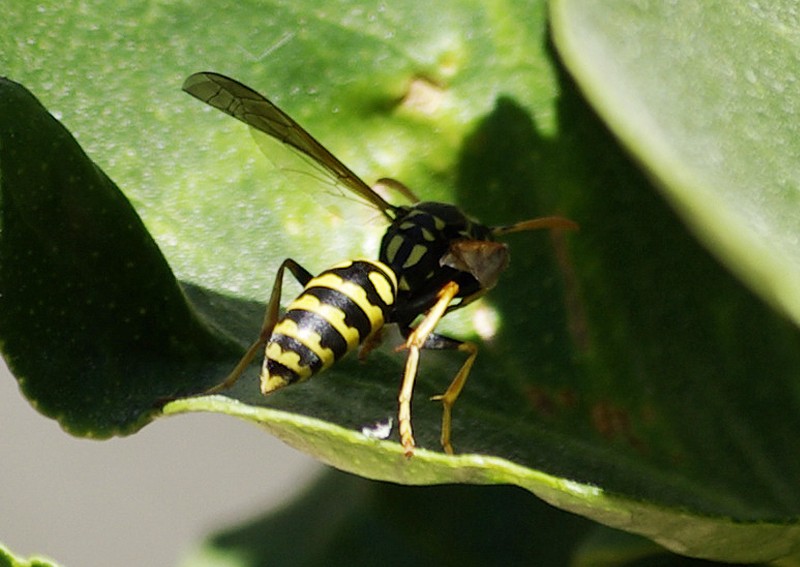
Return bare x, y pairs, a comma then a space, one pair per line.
271, 314
423, 337
449, 397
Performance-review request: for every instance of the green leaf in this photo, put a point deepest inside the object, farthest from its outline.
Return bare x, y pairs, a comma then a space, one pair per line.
94, 324
8, 559
703, 95
624, 375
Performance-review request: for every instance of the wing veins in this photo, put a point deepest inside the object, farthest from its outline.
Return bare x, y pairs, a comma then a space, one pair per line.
248, 106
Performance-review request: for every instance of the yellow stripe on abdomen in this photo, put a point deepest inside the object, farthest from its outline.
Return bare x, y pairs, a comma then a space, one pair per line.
336, 312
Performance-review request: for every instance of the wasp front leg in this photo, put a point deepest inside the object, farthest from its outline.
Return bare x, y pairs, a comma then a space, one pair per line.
271, 315
423, 337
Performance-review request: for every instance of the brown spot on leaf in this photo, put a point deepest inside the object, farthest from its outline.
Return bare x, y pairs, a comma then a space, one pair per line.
423, 96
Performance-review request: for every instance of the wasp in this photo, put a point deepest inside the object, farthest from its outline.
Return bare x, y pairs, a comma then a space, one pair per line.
433, 259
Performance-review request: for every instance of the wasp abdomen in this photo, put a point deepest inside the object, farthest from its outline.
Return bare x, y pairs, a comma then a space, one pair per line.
336, 312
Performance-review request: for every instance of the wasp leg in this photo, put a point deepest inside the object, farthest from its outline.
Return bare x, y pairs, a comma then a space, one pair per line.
270, 319
416, 341
372, 342
536, 224
450, 395
387, 183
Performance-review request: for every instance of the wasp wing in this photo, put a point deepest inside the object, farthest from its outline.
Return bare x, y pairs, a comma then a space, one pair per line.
245, 104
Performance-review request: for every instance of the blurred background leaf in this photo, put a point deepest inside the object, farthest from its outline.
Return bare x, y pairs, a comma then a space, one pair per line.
8, 559
703, 96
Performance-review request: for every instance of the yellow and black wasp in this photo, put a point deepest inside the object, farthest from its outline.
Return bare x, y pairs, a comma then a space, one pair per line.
433, 259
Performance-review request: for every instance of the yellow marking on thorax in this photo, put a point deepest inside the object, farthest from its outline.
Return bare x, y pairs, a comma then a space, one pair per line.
394, 246
417, 253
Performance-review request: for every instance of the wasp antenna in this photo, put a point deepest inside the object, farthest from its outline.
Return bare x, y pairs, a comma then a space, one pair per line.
536, 224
